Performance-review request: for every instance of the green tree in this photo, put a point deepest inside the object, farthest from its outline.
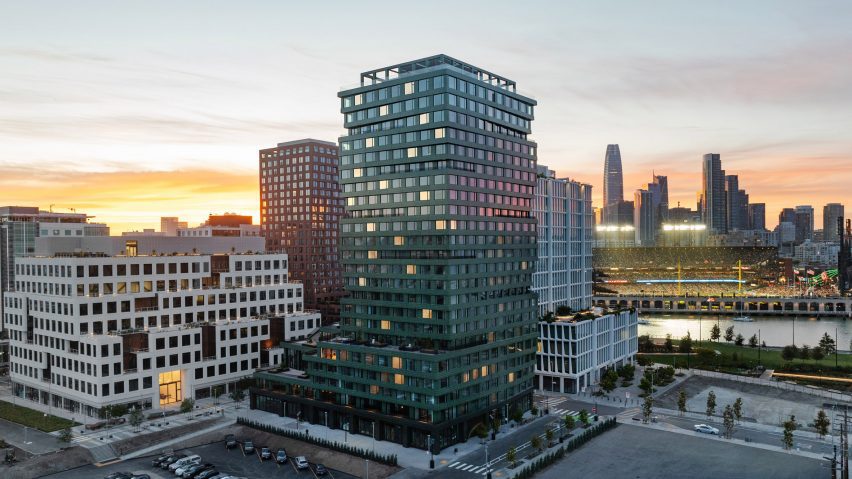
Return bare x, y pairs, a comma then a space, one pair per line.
512, 456
535, 442
789, 427
711, 403
821, 423
740, 339
738, 409
805, 352
827, 344
681, 402
135, 419
715, 332
569, 422
817, 354
752, 341
729, 334
685, 345
669, 345
645, 344
646, 386
65, 435
237, 395
627, 371
728, 421
584, 417
609, 379
548, 434
647, 409
516, 415
789, 352
563, 310
187, 405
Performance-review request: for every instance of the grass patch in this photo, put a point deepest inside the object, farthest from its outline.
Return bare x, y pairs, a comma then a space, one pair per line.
32, 418
747, 358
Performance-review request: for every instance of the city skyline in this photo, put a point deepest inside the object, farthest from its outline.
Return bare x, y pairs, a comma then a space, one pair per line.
146, 125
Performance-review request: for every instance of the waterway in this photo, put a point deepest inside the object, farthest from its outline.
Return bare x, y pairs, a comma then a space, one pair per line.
773, 330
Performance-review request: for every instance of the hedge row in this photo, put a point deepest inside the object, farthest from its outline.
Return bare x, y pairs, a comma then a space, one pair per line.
571, 445
389, 459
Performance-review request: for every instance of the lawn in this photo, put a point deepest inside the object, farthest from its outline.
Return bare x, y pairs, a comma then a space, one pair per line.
32, 418
748, 357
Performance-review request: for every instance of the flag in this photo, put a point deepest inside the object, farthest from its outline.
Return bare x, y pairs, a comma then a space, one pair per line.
811, 272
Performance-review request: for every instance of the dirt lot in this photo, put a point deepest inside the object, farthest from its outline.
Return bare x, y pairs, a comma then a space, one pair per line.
38, 466
147, 440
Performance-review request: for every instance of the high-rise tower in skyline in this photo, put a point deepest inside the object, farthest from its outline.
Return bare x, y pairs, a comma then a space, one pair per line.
439, 329
613, 186
830, 213
713, 194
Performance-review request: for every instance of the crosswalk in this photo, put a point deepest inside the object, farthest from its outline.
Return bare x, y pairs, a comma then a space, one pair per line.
474, 468
551, 404
565, 412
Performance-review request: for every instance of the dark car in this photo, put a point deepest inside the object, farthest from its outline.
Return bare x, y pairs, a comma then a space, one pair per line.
320, 470
230, 441
140, 476
200, 469
156, 461
208, 474
281, 456
265, 453
171, 460
248, 447
119, 475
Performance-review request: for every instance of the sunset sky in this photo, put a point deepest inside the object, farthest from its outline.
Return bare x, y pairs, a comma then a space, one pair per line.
132, 111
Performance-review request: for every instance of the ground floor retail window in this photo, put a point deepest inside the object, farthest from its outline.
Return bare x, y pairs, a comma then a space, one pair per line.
170, 388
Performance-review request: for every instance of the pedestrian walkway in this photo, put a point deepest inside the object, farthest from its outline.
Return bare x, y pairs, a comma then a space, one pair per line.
473, 468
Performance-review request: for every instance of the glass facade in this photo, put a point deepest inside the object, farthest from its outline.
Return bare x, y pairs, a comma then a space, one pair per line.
438, 247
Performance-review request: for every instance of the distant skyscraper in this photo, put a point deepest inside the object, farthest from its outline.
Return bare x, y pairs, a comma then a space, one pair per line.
563, 273
787, 215
736, 203
830, 213
613, 189
644, 218
662, 186
804, 221
757, 216
713, 194
171, 224
300, 211
624, 215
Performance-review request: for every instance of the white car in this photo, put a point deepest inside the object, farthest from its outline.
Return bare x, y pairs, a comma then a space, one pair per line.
302, 463
705, 429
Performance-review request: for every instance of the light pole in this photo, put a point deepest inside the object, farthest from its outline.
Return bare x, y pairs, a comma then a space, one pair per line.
431, 456
374, 437
759, 347
368, 468
487, 464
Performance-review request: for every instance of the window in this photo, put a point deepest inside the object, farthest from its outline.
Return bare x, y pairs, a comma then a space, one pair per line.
411, 269
409, 88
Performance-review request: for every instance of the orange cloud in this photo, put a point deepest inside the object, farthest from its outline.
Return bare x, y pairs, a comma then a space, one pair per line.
134, 200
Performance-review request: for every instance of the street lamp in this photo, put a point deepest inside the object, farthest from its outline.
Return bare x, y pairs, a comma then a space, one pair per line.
368, 468
487, 464
431, 456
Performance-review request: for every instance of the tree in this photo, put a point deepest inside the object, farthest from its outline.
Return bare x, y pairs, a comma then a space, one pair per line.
681, 402
187, 405
711, 403
563, 310
516, 415
817, 354
827, 344
135, 418
645, 344
608, 381
738, 409
646, 386
752, 341
65, 435
789, 352
685, 345
548, 434
729, 334
535, 442
728, 421
789, 427
238, 395
821, 423
647, 409
570, 424
584, 417
805, 352
715, 332
740, 339
511, 456
627, 371
217, 392
668, 344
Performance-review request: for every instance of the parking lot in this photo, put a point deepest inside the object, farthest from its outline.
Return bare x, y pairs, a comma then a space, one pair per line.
232, 462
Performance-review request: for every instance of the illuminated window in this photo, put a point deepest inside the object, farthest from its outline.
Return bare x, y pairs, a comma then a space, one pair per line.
369, 142
383, 110
427, 314
439, 132
398, 379
465, 377
409, 88
483, 371
371, 227
424, 196
399, 240
359, 99
373, 254
362, 281
396, 362
511, 377
411, 269
350, 201
538, 347
383, 185
358, 172
424, 118
412, 152
440, 225
385, 324
374, 390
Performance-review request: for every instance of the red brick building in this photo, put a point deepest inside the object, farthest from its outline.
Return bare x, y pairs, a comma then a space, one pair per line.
300, 211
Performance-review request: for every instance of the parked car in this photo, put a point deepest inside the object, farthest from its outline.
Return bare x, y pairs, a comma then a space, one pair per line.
265, 453
156, 461
281, 456
200, 470
140, 476
705, 429
171, 460
302, 463
248, 447
186, 461
230, 441
208, 474
118, 475
194, 469
320, 470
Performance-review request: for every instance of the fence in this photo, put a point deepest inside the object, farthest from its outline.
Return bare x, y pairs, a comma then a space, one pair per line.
814, 391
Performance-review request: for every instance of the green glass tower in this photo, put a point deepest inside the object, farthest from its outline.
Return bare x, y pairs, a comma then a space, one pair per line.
438, 246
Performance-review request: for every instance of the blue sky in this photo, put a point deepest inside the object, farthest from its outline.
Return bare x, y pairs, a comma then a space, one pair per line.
131, 111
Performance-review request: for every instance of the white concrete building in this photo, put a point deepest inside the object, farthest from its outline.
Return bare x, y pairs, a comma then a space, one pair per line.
563, 274
812, 253
573, 351
90, 327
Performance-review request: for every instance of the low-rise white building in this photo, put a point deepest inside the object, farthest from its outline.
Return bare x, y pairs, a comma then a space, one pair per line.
90, 327
814, 253
574, 351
